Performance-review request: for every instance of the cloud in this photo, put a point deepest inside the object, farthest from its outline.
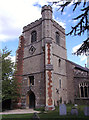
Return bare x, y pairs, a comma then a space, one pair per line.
63, 24
83, 58
13, 58
74, 21
69, 15
15, 14
7, 29
74, 49
60, 22
64, 13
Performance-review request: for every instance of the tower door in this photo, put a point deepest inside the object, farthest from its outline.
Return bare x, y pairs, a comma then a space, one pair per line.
31, 100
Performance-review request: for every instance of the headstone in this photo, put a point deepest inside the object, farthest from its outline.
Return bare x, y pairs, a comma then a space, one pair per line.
62, 109
75, 105
86, 111
74, 111
36, 117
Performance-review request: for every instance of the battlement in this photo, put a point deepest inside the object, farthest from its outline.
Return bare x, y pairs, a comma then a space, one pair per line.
31, 25
45, 7
58, 26
46, 14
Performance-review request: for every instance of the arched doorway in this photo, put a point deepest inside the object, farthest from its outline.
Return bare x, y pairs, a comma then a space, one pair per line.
31, 99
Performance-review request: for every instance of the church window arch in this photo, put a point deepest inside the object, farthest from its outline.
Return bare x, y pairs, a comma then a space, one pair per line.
58, 38
84, 89
33, 36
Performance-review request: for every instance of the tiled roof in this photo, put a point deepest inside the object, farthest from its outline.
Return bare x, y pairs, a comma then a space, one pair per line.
79, 66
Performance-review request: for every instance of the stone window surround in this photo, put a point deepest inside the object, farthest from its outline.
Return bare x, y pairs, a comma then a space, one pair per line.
59, 62
60, 84
33, 36
57, 35
83, 85
30, 82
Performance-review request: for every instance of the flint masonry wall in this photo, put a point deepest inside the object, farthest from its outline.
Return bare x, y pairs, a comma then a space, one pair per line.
80, 76
76, 75
59, 73
43, 62
33, 64
70, 82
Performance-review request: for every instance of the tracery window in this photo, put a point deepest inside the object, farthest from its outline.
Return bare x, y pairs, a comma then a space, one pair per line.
84, 89
57, 38
33, 36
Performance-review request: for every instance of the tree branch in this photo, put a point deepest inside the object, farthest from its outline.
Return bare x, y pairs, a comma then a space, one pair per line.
84, 48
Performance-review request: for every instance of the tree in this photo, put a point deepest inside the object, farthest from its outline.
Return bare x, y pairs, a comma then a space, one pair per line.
10, 88
82, 25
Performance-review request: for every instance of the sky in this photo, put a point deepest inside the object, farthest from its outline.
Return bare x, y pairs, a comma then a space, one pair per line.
15, 14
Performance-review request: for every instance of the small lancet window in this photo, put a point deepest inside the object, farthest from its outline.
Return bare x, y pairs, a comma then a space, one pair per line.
57, 38
31, 80
33, 36
59, 62
60, 83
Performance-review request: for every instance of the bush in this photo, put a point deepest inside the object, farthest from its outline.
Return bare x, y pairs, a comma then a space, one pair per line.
42, 109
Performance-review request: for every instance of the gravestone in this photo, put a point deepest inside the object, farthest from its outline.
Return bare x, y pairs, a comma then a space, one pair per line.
74, 111
86, 111
62, 109
75, 105
36, 117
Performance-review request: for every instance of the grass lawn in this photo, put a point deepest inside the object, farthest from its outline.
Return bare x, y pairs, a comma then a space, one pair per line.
50, 115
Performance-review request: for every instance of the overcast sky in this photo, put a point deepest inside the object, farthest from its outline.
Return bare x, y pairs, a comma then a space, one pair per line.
15, 14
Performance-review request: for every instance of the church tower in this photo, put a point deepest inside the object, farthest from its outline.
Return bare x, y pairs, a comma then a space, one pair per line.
44, 80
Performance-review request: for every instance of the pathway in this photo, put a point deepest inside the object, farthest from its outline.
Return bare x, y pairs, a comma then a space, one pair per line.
18, 111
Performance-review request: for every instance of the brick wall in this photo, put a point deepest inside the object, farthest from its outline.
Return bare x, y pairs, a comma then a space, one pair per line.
19, 65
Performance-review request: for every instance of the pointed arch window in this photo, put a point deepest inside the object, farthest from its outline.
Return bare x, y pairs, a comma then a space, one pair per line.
58, 38
33, 36
84, 89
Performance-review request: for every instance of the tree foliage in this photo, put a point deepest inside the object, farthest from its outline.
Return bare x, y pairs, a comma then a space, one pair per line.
10, 86
83, 24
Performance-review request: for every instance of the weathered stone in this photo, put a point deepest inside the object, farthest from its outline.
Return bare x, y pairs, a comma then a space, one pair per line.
35, 116
86, 111
62, 109
74, 111
42, 62
49, 67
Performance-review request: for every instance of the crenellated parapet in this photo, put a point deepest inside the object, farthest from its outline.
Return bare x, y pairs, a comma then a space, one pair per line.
58, 26
32, 25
